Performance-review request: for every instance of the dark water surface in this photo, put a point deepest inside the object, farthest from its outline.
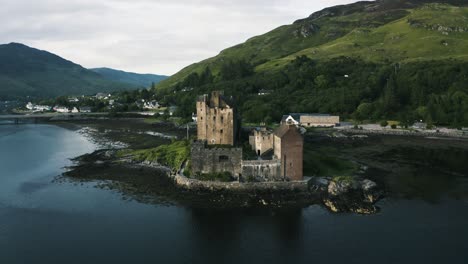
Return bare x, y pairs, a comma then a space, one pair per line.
46, 222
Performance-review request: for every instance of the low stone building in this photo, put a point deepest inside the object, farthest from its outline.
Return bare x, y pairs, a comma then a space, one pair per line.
311, 120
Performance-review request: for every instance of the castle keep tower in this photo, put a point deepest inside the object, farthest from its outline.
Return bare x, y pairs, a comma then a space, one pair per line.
217, 120
288, 147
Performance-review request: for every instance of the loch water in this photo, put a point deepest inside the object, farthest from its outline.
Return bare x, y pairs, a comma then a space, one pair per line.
44, 221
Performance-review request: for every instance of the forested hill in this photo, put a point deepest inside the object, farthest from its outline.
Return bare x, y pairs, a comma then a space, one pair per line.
143, 80
395, 59
26, 71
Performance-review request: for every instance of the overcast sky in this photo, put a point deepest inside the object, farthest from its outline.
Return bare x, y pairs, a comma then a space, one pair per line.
146, 36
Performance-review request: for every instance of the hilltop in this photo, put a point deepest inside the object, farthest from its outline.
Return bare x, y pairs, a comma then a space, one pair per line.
26, 71
397, 57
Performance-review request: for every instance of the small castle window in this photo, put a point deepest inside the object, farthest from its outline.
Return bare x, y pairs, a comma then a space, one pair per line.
223, 158
201, 117
222, 119
214, 118
221, 131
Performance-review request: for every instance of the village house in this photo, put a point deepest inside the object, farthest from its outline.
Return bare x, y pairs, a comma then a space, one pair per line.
264, 92
151, 105
61, 109
103, 96
73, 99
85, 109
38, 108
311, 120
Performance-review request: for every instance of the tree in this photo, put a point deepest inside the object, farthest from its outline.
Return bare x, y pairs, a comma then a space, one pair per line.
364, 111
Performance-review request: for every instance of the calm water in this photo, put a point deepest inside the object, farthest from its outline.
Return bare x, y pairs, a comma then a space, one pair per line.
45, 222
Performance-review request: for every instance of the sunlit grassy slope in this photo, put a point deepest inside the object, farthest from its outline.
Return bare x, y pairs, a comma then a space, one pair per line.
432, 32
382, 31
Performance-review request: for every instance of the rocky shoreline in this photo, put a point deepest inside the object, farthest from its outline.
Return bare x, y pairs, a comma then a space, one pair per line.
399, 132
149, 182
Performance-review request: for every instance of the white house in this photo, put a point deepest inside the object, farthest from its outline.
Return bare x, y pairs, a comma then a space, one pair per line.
292, 119
41, 108
61, 109
104, 96
151, 105
30, 106
75, 110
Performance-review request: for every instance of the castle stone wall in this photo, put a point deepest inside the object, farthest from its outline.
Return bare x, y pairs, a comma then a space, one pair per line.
264, 170
214, 160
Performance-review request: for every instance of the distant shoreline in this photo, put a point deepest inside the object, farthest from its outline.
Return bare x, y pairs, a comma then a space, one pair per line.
401, 132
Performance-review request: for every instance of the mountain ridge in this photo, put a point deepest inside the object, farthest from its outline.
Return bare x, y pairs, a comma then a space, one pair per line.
31, 72
140, 79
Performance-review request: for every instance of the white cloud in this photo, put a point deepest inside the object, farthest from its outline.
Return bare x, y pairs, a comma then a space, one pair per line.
143, 35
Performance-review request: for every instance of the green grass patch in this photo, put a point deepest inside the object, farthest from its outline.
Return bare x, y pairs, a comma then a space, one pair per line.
171, 155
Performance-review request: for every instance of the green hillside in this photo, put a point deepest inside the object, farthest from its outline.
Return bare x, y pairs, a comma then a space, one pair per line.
431, 32
398, 59
26, 71
347, 30
142, 80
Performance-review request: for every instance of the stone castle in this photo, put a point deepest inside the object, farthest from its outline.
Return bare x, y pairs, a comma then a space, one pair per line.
217, 120
217, 151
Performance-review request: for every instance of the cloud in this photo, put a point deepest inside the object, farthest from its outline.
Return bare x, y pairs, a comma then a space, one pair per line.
160, 36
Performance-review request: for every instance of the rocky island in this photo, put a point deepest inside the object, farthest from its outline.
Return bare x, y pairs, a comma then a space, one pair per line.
217, 169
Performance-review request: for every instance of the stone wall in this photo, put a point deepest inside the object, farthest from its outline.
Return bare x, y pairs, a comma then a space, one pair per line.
263, 170
197, 185
212, 160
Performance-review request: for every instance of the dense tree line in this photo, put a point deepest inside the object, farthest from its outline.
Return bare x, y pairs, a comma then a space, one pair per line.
433, 91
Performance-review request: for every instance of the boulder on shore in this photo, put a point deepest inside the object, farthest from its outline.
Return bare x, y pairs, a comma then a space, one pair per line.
358, 196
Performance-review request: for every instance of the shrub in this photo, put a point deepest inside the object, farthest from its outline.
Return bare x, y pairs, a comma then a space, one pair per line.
393, 126
384, 123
